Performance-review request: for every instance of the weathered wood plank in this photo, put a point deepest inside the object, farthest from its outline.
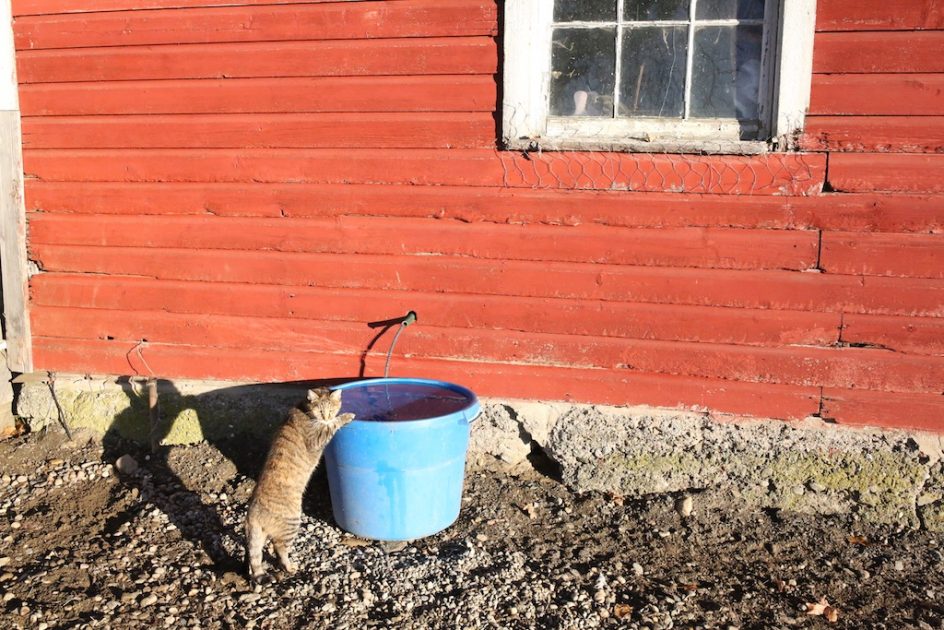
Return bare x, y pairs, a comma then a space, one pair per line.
908, 255
874, 134
918, 335
274, 22
674, 247
848, 212
13, 262
287, 276
487, 379
407, 56
923, 412
862, 368
902, 52
52, 7
408, 130
873, 15
446, 93
877, 94
772, 174
886, 172
294, 321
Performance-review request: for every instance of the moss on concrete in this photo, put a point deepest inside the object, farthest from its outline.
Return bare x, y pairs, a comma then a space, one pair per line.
931, 500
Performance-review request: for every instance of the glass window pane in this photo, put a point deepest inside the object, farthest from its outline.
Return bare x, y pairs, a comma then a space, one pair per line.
584, 10
644, 10
653, 71
583, 65
730, 9
726, 72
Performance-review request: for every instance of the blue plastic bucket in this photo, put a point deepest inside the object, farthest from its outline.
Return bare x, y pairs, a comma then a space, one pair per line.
396, 472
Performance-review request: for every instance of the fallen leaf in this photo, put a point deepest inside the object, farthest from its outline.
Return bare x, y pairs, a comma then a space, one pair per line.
691, 588
823, 609
356, 542
622, 611
781, 585
857, 540
817, 608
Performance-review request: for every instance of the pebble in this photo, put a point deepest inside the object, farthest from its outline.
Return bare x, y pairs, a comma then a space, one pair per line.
459, 578
4, 561
126, 465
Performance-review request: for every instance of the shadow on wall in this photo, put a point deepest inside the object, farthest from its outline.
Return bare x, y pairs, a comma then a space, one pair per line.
256, 410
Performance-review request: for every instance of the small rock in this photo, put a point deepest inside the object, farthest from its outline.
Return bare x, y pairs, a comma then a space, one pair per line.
684, 506
4, 561
394, 545
637, 569
150, 600
899, 565
126, 465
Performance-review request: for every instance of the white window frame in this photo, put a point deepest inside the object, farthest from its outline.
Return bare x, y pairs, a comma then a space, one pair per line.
528, 125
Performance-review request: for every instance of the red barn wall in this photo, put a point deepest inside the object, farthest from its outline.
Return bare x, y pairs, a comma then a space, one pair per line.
231, 192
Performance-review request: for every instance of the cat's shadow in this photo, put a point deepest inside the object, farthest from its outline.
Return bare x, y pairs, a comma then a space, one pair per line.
159, 480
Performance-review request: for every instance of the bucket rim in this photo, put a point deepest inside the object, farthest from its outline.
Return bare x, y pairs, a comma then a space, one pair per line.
473, 402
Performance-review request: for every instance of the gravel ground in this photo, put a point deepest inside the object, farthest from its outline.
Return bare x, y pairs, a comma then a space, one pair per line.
88, 545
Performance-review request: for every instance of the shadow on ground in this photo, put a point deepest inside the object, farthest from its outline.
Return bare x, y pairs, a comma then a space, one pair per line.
158, 479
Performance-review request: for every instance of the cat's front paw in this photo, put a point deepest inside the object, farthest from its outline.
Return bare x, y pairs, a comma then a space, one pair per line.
344, 418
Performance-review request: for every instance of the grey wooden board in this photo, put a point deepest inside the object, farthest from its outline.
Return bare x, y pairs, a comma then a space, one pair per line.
13, 261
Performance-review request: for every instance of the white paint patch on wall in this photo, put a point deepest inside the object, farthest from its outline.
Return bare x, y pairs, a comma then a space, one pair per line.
8, 98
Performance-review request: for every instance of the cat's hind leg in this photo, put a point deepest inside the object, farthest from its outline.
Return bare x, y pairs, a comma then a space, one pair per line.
282, 544
255, 541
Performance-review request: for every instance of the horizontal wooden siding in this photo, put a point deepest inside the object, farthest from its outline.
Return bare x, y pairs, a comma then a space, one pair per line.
233, 189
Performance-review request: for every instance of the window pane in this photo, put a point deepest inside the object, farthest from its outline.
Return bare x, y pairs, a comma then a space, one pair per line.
642, 10
584, 10
583, 65
653, 71
730, 9
726, 72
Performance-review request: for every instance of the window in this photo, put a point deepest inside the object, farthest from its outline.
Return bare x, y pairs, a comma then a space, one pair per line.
720, 76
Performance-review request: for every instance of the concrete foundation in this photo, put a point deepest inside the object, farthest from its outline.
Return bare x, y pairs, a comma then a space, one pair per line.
883, 476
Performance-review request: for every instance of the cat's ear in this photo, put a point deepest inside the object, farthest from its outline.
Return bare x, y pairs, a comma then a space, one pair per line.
313, 395
336, 395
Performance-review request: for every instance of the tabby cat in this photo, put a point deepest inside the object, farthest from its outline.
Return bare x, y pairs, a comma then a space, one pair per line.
275, 508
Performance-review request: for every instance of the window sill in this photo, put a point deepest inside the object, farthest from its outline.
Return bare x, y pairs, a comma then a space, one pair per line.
642, 145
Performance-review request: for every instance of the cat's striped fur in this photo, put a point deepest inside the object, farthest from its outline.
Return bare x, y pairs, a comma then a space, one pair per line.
275, 507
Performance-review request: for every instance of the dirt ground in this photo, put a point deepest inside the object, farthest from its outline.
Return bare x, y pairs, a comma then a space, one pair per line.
85, 545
